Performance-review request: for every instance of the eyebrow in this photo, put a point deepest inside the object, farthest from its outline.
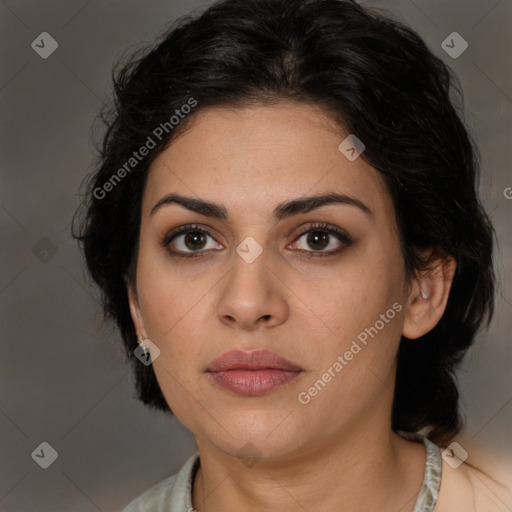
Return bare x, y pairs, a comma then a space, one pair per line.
282, 211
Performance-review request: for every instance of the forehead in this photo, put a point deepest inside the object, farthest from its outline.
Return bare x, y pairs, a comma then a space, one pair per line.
254, 158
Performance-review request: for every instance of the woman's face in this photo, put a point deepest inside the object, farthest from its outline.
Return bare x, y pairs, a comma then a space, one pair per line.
330, 304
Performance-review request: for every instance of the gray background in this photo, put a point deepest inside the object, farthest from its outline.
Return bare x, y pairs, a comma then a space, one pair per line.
63, 379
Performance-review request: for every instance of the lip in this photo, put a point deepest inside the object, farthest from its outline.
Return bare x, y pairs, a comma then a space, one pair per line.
252, 373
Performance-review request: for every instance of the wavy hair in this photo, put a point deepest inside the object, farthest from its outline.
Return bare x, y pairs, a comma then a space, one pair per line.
377, 79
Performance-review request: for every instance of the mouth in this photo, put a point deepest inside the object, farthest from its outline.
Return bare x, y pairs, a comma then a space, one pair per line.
253, 373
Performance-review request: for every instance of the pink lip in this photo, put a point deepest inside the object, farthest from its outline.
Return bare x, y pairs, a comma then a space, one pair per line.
252, 373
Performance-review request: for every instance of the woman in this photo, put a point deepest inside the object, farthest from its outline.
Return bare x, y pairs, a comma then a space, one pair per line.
285, 227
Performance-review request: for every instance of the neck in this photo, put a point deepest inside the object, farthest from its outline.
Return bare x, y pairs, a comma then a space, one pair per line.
361, 471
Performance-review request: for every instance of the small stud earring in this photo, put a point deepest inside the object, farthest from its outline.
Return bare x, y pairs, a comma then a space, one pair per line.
423, 293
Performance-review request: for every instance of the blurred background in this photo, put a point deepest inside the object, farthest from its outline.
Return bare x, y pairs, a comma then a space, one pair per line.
63, 380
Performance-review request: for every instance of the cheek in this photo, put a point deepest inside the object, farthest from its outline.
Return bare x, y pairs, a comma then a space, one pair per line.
358, 317
161, 307
344, 301
165, 296
173, 325
171, 321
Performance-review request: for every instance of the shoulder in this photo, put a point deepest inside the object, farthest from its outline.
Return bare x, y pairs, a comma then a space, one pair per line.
467, 487
153, 498
173, 493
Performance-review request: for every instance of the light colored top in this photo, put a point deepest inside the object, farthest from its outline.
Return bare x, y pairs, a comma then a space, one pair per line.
174, 494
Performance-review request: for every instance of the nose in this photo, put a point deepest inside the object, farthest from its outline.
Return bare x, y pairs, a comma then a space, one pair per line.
253, 296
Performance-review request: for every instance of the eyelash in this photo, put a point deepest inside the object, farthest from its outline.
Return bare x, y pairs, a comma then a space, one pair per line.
342, 236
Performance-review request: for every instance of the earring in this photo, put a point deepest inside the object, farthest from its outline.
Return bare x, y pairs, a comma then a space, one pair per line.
423, 294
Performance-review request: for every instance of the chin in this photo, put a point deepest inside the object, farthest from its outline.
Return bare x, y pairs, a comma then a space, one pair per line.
252, 449
265, 434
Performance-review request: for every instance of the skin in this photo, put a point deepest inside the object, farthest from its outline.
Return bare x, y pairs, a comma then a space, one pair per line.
327, 454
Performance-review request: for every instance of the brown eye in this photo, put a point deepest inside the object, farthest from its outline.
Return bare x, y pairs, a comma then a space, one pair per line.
194, 240
189, 239
319, 237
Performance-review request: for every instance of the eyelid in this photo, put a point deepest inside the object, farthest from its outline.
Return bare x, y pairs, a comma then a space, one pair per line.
322, 226
168, 237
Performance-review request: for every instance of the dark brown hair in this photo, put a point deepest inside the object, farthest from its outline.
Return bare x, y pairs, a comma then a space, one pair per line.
381, 82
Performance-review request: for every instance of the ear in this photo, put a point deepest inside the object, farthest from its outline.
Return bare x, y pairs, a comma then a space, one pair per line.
135, 311
429, 295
